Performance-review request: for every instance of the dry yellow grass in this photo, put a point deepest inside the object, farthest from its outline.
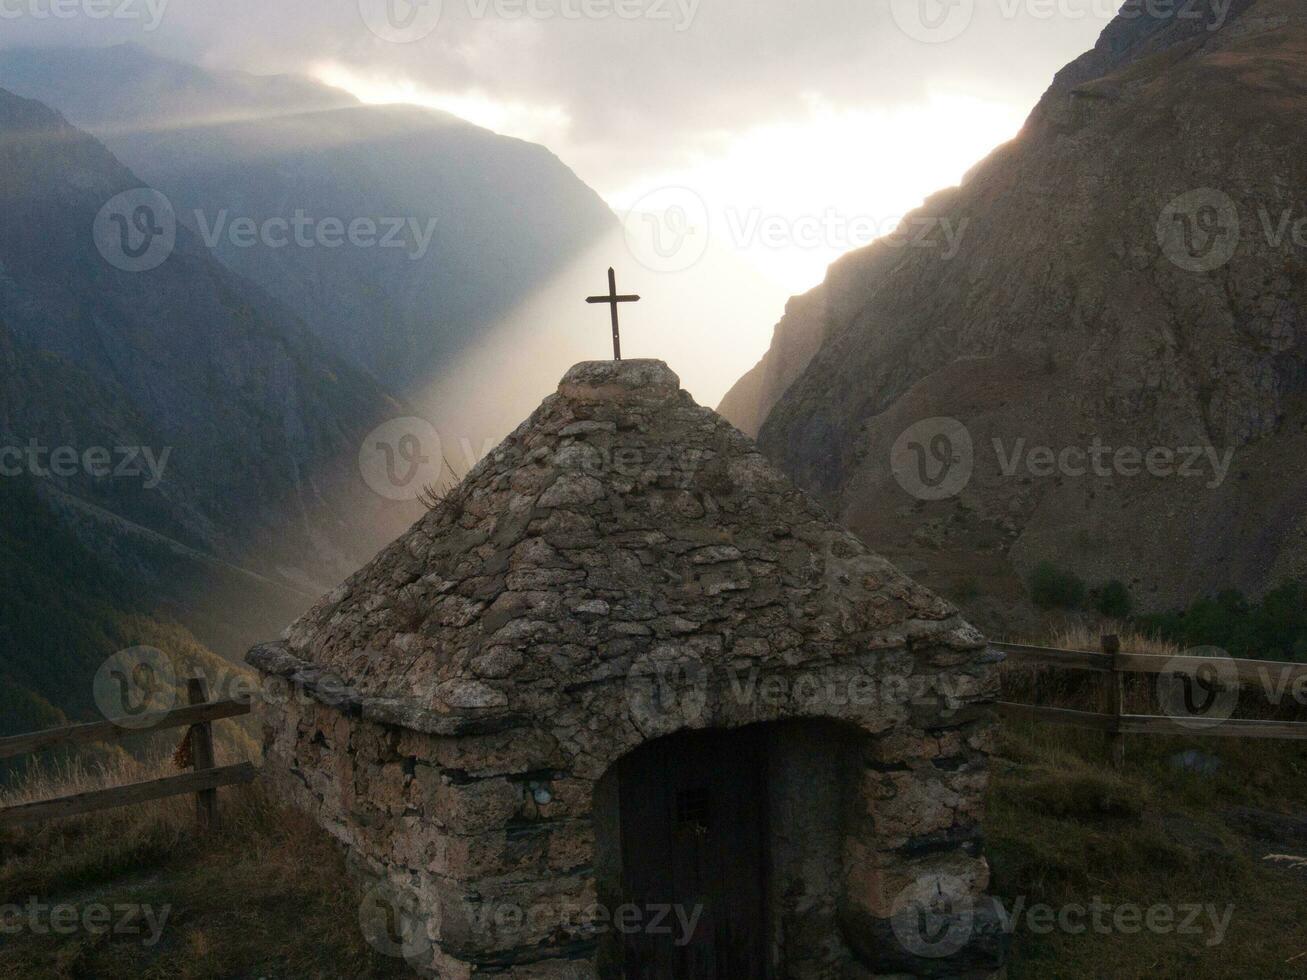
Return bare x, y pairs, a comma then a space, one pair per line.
1083, 636
1084, 690
46, 779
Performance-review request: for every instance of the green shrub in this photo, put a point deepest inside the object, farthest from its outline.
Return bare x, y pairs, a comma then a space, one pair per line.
1273, 629
1113, 599
1052, 588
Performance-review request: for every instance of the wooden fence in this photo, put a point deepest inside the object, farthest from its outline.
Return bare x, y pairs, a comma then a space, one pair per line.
203, 780
1114, 664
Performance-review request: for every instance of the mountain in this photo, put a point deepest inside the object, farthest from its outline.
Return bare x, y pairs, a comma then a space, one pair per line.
1120, 339
219, 430
49, 662
469, 223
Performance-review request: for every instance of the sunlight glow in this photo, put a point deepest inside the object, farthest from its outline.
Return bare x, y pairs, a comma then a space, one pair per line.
539, 124
793, 196
777, 203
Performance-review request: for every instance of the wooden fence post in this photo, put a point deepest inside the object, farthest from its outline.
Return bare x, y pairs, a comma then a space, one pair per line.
1115, 681
206, 800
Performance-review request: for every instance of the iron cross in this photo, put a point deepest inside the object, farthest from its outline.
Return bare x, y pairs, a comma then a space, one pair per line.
612, 299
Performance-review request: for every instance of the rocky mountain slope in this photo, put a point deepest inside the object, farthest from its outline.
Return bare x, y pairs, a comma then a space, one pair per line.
472, 222
213, 418
1120, 340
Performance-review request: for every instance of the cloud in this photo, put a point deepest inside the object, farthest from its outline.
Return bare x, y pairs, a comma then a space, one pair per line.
628, 85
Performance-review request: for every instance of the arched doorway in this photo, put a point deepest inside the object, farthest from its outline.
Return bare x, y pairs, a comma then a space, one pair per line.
719, 854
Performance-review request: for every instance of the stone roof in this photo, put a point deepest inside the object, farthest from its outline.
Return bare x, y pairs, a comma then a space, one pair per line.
619, 525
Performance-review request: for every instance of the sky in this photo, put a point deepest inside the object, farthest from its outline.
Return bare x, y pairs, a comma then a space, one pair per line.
748, 142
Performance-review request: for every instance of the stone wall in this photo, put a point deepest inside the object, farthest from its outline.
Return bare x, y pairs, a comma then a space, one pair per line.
484, 844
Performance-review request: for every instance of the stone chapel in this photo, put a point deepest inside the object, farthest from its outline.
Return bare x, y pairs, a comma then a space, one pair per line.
627, 704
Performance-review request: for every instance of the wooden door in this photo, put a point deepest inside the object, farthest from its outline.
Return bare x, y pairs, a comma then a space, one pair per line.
693, 812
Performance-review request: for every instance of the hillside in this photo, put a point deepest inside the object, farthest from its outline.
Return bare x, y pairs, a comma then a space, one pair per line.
487, 219
1102, 296
48, 663
230, 429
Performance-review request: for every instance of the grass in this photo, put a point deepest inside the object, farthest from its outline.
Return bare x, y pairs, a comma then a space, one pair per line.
1064, 829
1083, 636
265, 896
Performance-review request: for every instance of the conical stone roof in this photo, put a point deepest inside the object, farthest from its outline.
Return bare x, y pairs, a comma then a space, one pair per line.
622, 527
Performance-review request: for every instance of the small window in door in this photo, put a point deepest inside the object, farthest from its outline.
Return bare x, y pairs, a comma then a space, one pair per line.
692, 808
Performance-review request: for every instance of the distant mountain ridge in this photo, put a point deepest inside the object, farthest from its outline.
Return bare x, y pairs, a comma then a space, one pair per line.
1077, 310
502, 215
47, 662
253, 426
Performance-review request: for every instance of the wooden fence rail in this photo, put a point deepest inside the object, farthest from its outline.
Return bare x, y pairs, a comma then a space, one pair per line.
204, 779
1114, 666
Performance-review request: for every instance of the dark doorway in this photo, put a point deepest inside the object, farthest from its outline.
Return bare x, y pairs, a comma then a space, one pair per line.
694, 829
